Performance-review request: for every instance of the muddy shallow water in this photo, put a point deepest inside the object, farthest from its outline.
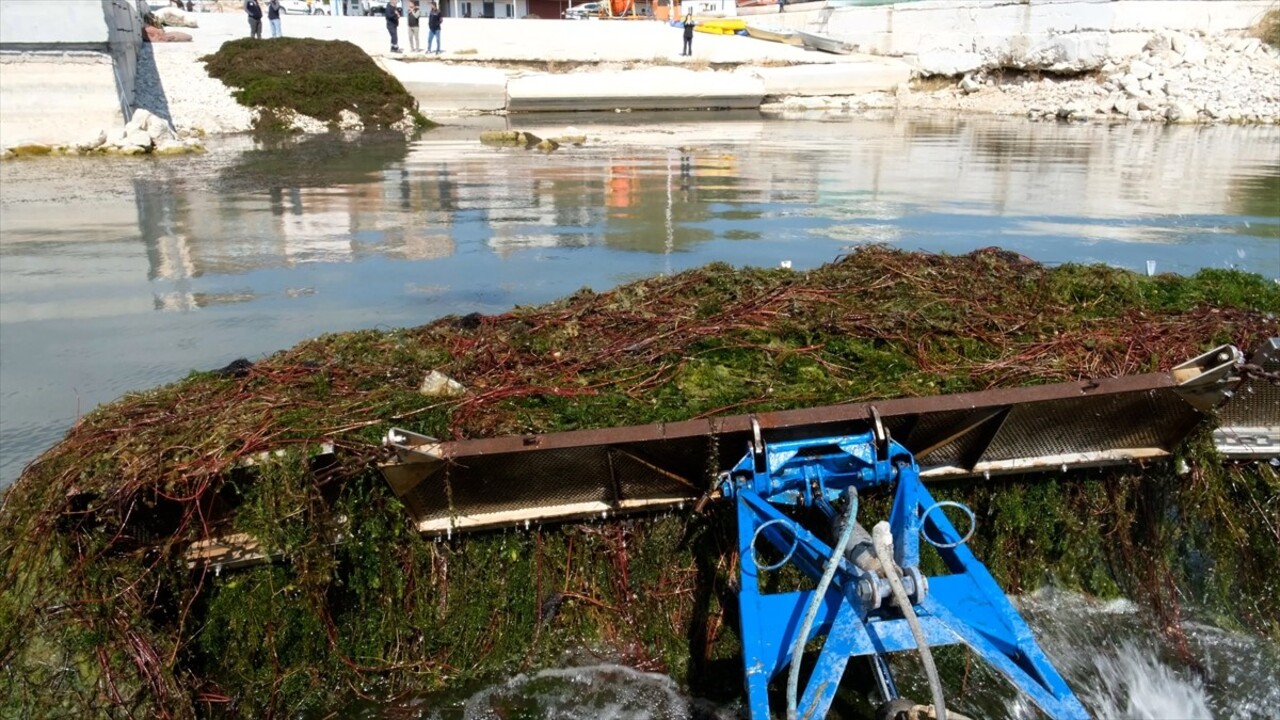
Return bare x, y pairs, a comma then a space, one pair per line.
121, 274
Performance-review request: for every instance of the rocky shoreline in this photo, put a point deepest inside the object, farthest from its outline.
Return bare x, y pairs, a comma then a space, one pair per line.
1176, 78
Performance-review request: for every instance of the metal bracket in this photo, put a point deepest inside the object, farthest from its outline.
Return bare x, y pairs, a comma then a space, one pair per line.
1206, 380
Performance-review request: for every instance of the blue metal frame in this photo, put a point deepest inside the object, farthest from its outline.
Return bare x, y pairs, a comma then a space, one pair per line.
965, 606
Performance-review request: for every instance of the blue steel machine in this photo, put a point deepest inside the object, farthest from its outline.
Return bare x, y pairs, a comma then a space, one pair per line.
871, 598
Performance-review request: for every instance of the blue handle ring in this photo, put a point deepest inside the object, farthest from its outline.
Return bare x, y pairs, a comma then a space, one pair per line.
973, 523
755, 555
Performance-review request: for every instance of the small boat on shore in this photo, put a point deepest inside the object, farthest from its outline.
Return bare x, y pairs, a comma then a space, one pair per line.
825, 43
722, 26
774, 33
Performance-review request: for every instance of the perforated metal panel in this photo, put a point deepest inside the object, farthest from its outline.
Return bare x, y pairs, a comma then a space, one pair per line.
1249, 422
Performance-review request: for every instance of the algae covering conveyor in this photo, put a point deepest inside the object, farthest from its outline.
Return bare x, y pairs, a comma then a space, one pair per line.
493, 482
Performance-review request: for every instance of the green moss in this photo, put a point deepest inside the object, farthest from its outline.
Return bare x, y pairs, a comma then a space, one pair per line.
316, 78
357, 601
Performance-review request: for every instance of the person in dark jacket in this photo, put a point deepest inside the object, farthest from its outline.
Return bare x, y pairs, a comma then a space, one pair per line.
688, 34
414, 15
433, 27
273, 16
254, 11
392, 12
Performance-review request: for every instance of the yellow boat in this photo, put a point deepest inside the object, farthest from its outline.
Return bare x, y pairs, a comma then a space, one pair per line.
723, 26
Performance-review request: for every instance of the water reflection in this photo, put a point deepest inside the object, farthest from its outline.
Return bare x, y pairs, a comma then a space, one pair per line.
116, 276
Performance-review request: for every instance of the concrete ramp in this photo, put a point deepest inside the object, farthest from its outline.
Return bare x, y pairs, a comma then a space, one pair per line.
657, 88
847, 78
455, 88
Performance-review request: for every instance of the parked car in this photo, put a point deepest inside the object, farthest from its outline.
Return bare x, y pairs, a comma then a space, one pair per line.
583, 11
374, 7
299, 7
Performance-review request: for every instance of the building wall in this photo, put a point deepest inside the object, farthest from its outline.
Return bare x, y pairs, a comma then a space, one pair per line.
497, 9
66, 68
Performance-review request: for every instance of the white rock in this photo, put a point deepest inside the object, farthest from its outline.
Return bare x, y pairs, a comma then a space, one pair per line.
93, 142
1195, 53
140, 118
1123, 45
1159, 41
137, 138
115, 137
968, 85
948, 62
1152, 84
1139, 69
170, 146
174, 17
348, 120
1181, 113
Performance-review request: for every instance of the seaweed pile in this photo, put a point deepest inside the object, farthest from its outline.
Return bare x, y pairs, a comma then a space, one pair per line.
320, 79
100, 616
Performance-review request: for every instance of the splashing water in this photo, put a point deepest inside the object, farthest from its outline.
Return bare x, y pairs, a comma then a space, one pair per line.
599, 692
1133, 683
1122, 669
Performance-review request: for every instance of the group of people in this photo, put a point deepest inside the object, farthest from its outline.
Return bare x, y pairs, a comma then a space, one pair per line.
434, 20
254, 10
392, 13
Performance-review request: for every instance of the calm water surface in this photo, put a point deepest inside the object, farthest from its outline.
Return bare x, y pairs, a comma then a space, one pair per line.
118, 275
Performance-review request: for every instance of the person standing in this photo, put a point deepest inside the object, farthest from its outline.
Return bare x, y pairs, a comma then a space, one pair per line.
688, 34
414, 16
273, 16
392, 13
433, 27
254, 11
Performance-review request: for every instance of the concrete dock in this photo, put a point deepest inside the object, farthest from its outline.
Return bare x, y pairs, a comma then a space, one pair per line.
564, 65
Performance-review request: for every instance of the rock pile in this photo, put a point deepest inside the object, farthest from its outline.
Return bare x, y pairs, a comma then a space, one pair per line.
1184, 79
145, 133
1174, 77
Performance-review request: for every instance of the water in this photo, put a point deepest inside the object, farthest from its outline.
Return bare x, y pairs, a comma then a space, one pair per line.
118, 275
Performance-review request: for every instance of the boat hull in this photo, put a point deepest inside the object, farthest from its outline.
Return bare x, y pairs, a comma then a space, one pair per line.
825, 43
779, 35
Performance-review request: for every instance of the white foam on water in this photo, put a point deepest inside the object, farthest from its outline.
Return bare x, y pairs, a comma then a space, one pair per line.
596, 692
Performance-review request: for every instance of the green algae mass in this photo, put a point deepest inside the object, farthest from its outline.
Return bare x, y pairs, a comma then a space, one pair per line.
316, 78
101, 617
